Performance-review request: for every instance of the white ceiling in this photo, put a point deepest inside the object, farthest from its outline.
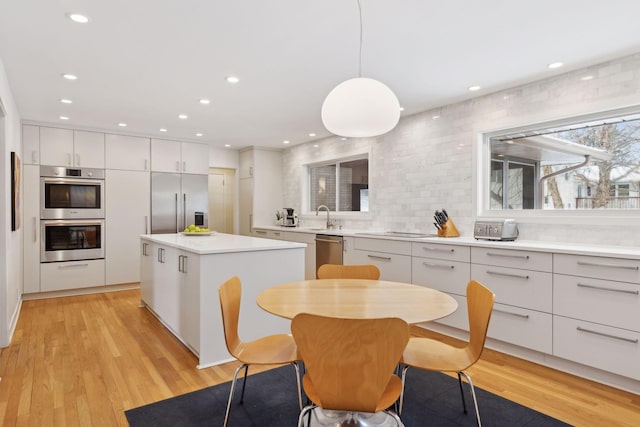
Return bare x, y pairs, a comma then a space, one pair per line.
143, 62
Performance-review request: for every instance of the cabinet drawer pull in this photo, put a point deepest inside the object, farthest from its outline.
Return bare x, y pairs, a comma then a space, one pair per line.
146, 164
632, 340
277, 233
602, 288
602, 264
517, 276
427, 248
34, 230
260, 232
144, 249
507, 255
428, 264
384, 258
73, 266
161, 255
182, 263
34, 159
511, 313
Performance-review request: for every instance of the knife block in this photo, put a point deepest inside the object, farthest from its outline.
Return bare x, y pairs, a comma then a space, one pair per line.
448, 229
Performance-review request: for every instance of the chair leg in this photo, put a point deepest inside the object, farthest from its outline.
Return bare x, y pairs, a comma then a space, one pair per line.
244, 382
404, 374
473, 395
233, 386
464, 405
306, 410
297, 368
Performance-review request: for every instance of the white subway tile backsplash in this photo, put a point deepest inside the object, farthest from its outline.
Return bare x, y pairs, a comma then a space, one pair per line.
426, 164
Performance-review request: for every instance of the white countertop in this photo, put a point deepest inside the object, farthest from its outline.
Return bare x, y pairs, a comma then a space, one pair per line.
220, 243
632, 252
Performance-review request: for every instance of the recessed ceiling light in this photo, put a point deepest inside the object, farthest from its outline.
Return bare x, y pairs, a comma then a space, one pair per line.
64, 118
315, 146
474, 88
205, 101
555, 65
401, 108
76, 17
285, 141
198, 134
510, 141
163, 130
70, 76
585, 78
312, 134
227, 145
232, 79
122, 125
343, 139
183, 116
435, 117
66, 101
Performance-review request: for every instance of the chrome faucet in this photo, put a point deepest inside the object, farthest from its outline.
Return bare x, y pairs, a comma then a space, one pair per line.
321, 207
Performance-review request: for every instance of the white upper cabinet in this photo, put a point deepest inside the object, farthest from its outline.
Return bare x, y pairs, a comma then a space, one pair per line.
88, 149
179, 157
195, 158
56, 146
30, 145
65, 147
127, 152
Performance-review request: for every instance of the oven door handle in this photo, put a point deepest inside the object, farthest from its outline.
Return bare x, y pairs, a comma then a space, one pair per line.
51, 180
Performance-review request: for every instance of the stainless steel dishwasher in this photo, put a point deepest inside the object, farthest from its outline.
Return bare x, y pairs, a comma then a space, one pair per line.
328, 250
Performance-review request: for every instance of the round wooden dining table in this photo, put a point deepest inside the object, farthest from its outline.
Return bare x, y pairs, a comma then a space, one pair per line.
357, 299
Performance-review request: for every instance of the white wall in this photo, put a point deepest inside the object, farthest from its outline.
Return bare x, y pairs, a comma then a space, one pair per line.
426, 164
10, 241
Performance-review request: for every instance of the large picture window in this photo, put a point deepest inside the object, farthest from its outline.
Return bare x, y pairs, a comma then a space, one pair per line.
575, 165
342, 186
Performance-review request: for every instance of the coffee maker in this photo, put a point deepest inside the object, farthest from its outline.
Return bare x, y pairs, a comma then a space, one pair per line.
290, 218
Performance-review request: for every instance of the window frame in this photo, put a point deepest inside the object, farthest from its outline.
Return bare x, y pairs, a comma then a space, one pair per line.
306, 187
543, 216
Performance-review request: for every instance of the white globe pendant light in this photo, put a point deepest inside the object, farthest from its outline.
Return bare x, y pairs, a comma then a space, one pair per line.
360, 107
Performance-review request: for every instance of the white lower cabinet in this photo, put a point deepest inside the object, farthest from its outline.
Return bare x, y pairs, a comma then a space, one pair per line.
525, 328
309, 251
170, 286
72, 275
611, 349
392, 257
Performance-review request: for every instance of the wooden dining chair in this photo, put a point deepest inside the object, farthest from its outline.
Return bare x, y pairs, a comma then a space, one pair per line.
335, 271
350, 363
434, 355
272, 349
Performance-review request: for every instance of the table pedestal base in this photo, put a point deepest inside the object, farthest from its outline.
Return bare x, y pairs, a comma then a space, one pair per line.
321, 417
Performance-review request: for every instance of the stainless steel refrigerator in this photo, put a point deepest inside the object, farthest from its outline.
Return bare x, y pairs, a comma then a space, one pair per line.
178, 200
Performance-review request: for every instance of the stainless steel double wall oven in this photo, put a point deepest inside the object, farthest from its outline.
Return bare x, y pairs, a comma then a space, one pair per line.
71, 213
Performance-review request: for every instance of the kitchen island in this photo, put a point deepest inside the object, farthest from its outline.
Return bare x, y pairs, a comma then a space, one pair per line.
180, 276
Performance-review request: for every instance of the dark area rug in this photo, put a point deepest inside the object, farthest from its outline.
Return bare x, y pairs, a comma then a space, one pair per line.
431, 399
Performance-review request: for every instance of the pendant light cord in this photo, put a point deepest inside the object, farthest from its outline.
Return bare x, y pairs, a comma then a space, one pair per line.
360, 52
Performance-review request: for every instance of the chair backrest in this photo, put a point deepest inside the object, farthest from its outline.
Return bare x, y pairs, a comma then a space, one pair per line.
349, 361
230, 293
334, 271
479, 304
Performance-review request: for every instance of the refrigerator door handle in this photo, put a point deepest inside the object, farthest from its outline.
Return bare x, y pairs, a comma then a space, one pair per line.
176, 200
184, 209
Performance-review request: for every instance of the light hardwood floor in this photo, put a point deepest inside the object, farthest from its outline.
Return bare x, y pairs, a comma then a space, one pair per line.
83, 361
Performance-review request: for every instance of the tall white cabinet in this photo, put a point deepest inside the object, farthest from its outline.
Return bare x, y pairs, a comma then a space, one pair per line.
260, 188
31, 225
127, 202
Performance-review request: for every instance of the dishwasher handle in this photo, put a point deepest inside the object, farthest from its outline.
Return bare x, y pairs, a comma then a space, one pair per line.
328, 241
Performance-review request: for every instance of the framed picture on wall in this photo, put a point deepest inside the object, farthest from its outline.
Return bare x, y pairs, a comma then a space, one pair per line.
15, 191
